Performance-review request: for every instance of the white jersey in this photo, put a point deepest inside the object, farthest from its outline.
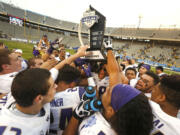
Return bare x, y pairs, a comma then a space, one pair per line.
7, 79
95, 125
54, 73
14, 122
6, 82
137, 76
148, 95
4, 100
164, 124
161, 74
62, 106
43, 44
133, 82
95, 77
24, 65
102, 85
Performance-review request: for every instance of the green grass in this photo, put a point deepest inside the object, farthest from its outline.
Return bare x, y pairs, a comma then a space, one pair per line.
26, 47
27, 51
166, 71
70, 51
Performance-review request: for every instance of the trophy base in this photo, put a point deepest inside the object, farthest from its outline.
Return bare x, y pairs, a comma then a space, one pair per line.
96, 55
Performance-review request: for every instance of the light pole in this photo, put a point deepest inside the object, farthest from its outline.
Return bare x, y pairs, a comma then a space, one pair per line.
139, 22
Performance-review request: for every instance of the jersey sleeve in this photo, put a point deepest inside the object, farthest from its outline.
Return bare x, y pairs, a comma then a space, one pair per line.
54, 73
3, 101
81, 92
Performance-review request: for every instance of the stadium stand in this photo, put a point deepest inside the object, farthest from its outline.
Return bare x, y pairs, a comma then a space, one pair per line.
140, 43
34, 17
11, 10
152, 53
109, 30
2, 9
51, 21
161, 34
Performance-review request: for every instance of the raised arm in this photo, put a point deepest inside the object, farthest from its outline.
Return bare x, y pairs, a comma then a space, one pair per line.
113, 69
115, 73
81, 52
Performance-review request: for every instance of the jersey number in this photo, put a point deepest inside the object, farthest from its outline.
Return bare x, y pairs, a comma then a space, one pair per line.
17, 131
65, 117
102, 89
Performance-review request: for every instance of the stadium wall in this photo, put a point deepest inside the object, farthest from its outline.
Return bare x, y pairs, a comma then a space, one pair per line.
32, 32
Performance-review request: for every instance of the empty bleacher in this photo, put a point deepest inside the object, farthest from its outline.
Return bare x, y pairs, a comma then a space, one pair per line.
52, 22
130, 47
156, 52
15, 11
34, 17
161, 34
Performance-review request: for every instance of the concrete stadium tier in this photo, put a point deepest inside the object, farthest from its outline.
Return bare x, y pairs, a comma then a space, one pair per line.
159, 44
147, 33
11, 10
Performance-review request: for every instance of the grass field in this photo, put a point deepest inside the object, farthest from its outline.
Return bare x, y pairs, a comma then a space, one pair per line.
26, 47
27, 51
166, 71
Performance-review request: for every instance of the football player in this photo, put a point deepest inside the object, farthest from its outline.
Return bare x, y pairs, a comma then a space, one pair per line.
166, 110
125, 109
27, 111
67, 97
9, 66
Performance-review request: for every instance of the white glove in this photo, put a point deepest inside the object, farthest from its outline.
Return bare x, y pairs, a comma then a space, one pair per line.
108, 45
80, 112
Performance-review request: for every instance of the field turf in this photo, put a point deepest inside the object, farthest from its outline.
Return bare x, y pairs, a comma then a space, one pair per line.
28, 47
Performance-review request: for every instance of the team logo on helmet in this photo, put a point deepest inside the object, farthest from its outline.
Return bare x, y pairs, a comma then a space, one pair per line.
89, 18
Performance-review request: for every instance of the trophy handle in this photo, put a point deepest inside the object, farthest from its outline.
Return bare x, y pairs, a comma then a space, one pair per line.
79, 34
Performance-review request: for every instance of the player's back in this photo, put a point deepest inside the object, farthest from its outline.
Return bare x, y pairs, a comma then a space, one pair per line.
62, 106
95, 125
14, 122
164, 124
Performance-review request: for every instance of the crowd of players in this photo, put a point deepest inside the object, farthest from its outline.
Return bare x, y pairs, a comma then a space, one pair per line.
49, 95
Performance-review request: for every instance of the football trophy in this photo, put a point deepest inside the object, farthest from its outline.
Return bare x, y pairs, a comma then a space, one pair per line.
95, 22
